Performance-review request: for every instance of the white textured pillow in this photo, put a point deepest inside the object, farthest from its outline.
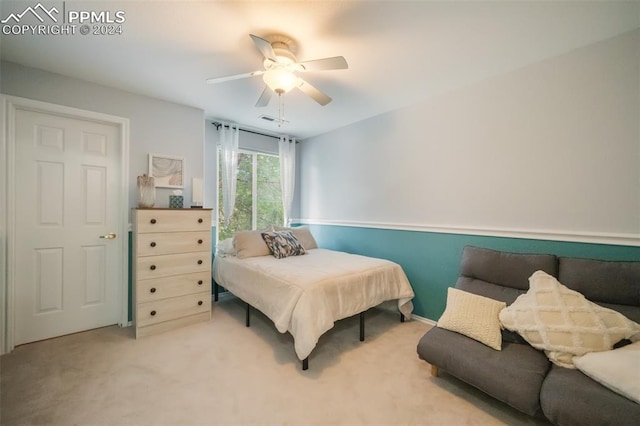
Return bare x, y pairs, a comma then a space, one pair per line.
619, 369
562, 322
474, 316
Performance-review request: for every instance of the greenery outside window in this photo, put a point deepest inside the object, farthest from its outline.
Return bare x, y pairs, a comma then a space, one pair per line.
258, 194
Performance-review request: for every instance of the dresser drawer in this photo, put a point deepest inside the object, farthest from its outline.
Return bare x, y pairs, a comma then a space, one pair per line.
172, 264
169, 309
172, 268
154, 220
179, 285
173, 242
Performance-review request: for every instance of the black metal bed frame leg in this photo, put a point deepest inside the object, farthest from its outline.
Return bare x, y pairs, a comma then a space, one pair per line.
248, 323
401, 317
362, 326
215, 291
305, 363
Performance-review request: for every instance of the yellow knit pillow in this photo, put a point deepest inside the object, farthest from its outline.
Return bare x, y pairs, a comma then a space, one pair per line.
474, 316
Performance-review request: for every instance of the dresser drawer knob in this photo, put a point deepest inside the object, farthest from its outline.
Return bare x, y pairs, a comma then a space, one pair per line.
153, 313
199, 282
199, 262
153, 290
199, 241
200, 221
153, 221
199, 302
153, 244
152, 267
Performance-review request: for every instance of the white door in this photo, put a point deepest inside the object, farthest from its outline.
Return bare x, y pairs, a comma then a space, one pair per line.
66, 186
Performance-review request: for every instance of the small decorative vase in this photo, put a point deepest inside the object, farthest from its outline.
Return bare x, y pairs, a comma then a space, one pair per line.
175, 201
146, 191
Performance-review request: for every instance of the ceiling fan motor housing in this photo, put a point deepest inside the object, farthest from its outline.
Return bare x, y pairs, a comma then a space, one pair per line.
281, 67
283, 53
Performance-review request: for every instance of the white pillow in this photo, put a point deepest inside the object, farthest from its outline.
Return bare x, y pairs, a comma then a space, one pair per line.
619, 369
474, 316
225, 247
562, 322
250, 244
303, 234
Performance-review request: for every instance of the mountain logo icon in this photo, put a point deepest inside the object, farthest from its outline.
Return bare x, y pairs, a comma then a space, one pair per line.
38, 11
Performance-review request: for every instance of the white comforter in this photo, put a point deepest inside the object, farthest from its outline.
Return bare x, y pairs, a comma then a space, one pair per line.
305, 295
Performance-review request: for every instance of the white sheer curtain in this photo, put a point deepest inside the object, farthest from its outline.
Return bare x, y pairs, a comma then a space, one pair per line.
287, 151
228, 135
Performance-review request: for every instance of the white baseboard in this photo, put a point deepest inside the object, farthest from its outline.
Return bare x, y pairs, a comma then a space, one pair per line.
423, 319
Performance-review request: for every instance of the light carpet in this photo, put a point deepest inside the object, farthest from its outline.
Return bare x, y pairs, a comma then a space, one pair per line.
221, 372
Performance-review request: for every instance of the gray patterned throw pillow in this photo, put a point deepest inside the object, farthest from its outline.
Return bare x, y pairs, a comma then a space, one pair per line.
283, 244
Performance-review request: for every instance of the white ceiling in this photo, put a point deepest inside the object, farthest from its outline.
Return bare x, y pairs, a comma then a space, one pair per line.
399, 53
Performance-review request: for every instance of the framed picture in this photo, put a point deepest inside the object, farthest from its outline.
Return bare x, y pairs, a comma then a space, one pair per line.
167, 170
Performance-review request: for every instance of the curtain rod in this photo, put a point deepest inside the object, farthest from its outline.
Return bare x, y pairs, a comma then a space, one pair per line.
218, 124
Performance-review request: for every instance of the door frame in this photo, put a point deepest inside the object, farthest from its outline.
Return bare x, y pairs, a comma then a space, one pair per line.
9, 105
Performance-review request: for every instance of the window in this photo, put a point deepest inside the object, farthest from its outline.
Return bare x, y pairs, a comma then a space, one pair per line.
258, 194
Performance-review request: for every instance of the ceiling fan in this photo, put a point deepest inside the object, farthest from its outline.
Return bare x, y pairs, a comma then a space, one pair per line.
281, 67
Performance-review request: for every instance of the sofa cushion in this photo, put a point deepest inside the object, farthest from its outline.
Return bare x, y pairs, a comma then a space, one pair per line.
474, 316
512, 337
568, 397
562, 322
500, 275
513, 375
604, 282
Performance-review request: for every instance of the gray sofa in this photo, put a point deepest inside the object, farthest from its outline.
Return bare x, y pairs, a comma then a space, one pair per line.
520, 375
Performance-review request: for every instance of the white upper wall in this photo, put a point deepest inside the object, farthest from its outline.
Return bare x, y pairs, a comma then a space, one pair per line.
156, 126
552, 147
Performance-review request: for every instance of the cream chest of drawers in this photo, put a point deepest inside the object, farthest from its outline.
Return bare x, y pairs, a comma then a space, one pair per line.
172, 268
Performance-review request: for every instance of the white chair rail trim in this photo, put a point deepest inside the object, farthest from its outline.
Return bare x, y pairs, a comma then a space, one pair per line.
532, 234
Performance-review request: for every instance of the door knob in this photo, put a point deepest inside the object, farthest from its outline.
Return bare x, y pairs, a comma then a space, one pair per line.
110, 236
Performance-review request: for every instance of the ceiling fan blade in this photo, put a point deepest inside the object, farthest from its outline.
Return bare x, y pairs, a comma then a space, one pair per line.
264, 46
233, 77
335, 63
312, 92
264, 98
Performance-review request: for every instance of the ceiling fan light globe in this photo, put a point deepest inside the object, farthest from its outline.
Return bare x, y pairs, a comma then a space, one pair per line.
280, 80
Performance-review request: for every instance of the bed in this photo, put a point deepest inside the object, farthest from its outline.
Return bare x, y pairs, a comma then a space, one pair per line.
305, 294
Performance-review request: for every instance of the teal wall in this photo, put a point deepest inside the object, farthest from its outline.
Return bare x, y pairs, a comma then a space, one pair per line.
431, 260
